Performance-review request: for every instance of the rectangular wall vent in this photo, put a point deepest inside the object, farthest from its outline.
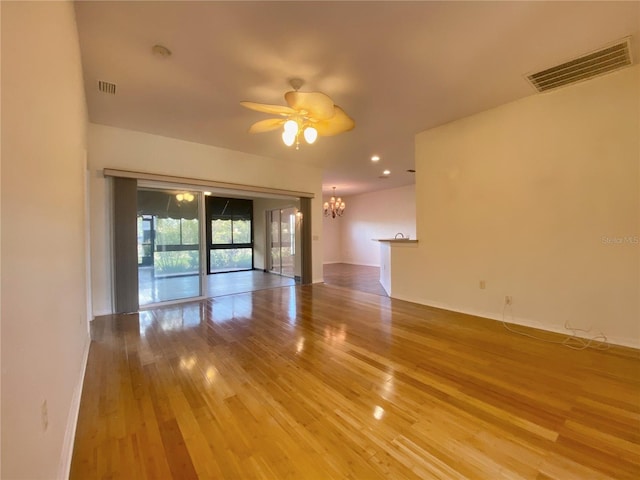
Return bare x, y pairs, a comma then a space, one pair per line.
588, 66
106, 87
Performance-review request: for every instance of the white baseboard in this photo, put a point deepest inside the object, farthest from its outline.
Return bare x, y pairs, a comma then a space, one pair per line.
363, 264
352, 263
623, 342
72, 420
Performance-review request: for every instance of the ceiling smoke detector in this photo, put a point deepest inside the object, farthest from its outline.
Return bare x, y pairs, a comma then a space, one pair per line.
161, 51
600, 62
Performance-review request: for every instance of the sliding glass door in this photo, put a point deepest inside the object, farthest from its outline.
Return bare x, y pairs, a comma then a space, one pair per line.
168, 245
282, 226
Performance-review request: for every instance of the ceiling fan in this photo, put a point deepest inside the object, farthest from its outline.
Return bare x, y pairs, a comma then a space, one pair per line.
311, 114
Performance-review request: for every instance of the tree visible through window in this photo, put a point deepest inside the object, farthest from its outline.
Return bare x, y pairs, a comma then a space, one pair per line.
177, 231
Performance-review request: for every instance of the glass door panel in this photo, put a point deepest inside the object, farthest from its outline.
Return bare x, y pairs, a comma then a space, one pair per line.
274, 244
287, 241
168, 246
282, 230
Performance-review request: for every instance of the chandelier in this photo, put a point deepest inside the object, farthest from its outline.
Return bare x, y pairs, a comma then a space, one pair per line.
334, 207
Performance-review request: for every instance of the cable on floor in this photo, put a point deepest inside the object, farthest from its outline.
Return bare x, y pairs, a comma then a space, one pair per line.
573, 341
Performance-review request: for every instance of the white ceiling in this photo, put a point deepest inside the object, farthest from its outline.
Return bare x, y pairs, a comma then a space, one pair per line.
397, 68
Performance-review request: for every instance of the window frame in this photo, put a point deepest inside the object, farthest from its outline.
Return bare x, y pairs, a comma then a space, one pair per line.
210, 217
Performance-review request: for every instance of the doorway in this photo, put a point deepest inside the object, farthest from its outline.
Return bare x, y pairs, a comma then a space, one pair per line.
168, 232
160, 249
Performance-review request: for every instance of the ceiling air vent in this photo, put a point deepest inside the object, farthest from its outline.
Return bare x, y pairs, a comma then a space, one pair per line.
106, 87
588, 66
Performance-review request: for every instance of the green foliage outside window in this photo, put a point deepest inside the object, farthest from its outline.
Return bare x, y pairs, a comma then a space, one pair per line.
173, 231
230, 259
167, 263
242, 231
221, 232
225, 232
167, 231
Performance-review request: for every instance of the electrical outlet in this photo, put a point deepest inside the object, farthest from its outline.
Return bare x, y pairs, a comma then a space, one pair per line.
44, 416
483, 284
508, 300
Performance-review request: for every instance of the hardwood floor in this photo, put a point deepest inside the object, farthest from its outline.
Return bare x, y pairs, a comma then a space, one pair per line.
355, 277
322, 382
155, 290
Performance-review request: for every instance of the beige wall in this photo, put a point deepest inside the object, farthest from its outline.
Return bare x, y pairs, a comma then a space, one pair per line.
128, 150
379, 214
540, 199
44, 324
332, 240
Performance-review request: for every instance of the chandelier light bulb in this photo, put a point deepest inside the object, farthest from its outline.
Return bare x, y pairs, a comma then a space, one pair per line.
188, 197
180, 197
310, 134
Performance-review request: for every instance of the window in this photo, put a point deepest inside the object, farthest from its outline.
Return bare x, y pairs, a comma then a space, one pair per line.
229, 234
221, 232
176, 231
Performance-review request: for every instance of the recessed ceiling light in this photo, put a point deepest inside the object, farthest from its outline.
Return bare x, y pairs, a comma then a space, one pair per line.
375, 158
386, 172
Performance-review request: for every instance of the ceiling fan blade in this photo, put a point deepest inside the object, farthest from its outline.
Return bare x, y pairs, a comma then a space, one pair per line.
316, 104
266, 108
340, 122
267, 125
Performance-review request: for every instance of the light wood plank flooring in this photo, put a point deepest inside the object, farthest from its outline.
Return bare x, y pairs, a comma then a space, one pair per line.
322, 382
155, 290
356, 277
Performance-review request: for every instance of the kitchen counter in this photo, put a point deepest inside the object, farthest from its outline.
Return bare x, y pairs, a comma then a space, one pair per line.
387, 246
395, 240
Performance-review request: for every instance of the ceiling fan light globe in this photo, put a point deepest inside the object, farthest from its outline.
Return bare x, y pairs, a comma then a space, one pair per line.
291, 126
288, 138
310, 134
